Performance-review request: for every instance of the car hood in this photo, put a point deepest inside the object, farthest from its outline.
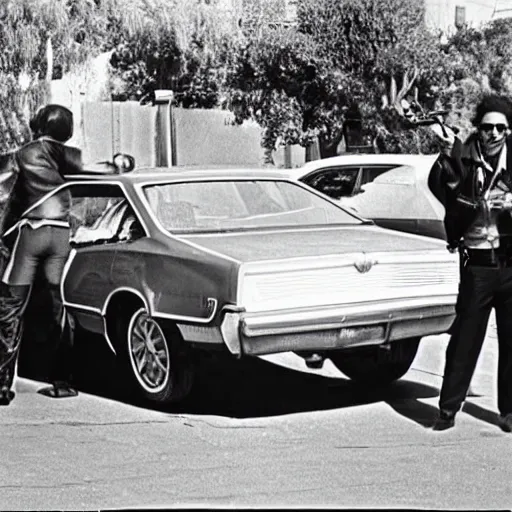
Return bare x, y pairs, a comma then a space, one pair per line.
311, 242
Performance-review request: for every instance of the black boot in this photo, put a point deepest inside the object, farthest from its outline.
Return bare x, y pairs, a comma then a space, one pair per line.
61, 372
444, 421
59, 389
6, 395
13, 300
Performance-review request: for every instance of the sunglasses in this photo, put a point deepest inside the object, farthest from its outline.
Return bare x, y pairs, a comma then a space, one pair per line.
489, 127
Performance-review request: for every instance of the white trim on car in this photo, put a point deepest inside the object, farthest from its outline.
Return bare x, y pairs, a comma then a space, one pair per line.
86, 182
138, 189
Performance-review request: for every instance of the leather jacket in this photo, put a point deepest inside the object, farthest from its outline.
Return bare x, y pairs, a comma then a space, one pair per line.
454, 181
43, 164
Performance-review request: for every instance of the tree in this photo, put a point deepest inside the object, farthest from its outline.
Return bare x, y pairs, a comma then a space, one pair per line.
480, 62
179, 45
362, 57
384, 45
40, 40
278, 80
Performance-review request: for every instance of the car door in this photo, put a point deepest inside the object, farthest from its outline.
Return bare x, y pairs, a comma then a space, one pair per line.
391, 200
86, 277
370, 172
97, 212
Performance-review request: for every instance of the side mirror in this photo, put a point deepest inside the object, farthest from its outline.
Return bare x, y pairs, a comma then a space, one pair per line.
123, 162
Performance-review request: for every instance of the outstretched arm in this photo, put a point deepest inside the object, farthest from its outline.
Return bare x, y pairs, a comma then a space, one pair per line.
449, 171
119, 165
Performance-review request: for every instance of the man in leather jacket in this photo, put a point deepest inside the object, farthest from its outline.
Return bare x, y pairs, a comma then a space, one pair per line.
41, 241
473, 180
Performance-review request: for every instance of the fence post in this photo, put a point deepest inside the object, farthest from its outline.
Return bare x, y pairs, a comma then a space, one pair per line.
165, 133
287, 157
116, 127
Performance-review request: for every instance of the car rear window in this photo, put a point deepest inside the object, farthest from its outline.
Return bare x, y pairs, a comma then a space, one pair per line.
224, 205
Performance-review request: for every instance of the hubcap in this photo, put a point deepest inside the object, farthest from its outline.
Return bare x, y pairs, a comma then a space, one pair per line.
149, 354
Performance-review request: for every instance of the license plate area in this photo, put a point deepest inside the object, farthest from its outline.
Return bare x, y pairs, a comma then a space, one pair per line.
373, 334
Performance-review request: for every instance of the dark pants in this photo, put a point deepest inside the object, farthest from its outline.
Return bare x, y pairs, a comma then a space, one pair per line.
45, 247
12, 304
481, 289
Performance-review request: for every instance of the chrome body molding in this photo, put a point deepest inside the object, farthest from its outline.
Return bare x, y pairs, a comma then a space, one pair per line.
142, 198
148, 306
190, 332
84, 181
129, 289
212, 304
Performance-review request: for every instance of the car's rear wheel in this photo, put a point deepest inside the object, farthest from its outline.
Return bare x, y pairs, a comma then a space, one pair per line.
377, 365
159, 364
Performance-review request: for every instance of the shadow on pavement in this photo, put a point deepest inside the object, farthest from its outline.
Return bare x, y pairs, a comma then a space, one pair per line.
249, 388
480, 413
252, 388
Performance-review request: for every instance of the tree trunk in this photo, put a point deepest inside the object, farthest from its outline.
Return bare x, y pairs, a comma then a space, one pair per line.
49, 59
327, 148
268, 157
309, 153
49, 67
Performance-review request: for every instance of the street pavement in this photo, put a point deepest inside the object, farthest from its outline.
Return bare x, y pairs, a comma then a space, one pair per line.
262, 435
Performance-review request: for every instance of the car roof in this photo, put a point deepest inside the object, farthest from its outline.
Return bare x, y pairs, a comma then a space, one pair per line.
413, 160
158, 174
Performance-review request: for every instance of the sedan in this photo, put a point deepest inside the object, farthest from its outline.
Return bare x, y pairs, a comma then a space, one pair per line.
390, 189
167, 264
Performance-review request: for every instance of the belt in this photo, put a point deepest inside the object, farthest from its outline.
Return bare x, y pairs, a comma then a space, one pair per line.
488, 258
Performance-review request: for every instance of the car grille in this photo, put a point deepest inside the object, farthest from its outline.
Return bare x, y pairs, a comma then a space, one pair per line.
282, 289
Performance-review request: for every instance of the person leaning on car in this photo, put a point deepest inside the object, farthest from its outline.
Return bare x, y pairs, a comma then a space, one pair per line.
42, 240
473, 180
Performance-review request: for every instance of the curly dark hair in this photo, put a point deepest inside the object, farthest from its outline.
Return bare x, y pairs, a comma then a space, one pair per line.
493, 103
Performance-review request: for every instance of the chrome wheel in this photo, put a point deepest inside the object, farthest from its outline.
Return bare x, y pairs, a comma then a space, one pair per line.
149, 352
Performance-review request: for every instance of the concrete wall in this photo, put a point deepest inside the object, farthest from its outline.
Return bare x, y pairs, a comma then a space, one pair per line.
164, 136
112, 127
209, 136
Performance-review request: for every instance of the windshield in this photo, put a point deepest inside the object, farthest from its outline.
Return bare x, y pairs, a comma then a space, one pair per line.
216, 206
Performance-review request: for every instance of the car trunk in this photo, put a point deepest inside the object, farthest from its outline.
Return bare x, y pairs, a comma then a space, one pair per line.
297, 269
280, 244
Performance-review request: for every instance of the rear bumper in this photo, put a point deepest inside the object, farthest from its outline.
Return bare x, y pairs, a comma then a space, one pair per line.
336, 327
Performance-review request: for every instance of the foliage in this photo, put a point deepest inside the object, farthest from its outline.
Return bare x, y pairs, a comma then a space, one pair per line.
484, 53
480, 62
184, 54
275, 80
356, 57
385, 46
40, 40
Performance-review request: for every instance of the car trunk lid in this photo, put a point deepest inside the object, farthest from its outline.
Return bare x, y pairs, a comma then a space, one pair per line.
265, 245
